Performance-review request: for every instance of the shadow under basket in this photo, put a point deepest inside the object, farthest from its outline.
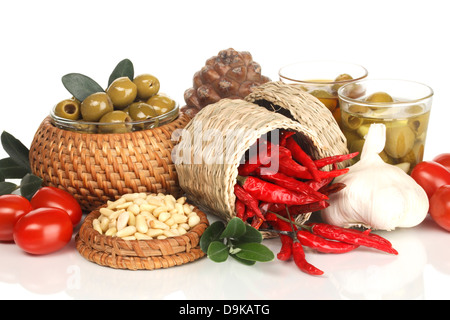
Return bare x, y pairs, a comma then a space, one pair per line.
95, 168
152, 254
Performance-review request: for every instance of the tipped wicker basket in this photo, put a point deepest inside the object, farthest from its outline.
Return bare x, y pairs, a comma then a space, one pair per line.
96, 168
209, 183
139, 254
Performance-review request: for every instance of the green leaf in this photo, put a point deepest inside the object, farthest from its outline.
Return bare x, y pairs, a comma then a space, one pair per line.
29, 185
255, 252
9, 169
235, 228
7, 187
16, 150
211, 234
217, 251
251, 235
123, 69
80, 86
246, 262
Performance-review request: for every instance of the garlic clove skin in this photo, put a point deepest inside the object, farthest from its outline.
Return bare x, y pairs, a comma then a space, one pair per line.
377, 195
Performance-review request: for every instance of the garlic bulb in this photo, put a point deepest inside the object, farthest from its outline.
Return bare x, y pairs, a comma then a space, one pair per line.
377, 195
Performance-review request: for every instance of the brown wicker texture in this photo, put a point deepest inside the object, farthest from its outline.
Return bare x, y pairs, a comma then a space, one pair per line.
238, 124
139, 254
96, 168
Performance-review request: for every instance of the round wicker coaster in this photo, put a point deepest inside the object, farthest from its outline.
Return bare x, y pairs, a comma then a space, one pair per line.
139, 254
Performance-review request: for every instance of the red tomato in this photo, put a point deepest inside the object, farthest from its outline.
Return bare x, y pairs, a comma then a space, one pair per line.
430, 176
443, 159
440, 207
43, 230
12, 208
50, 197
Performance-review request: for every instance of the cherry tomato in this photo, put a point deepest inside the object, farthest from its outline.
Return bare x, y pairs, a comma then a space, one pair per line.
443, 159
43, 231
51, 197
440, 207
12, 208
430, 176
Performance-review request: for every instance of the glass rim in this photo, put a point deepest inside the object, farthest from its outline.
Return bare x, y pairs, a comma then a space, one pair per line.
161, 117
364, 70
347, 99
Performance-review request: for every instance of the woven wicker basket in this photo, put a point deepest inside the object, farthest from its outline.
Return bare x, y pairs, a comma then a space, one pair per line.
211, 185
139, 254
96, 168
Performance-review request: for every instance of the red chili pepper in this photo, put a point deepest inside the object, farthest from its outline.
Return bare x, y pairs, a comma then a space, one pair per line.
323, 245
320, 163
271, 154
310, 207
302, 157
265, 191
285, 252
300, 260
284, 134
240, 209
332, 188
250, 202
289, 183
351, 236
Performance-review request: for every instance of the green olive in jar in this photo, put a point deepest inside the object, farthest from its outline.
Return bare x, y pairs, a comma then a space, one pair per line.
379, 97
115, 122
399, 141
122, 92
329, 100
96, 106
161, 103
147, 86
340, 78
68, 109
141, 111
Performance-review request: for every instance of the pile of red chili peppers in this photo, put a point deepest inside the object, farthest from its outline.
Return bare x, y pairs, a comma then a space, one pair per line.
273, 198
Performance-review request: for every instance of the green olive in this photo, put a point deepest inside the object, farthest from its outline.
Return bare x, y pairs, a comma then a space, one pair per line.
68, 109
415, 155
419, 124
147, 86
351, 122
329, 100
342, 77
116, 122
79, 126
399, 141
161, 103
122, 92
96, 106
379, 97
141, 111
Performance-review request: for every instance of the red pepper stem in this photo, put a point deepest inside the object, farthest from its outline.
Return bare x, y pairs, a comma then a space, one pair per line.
303, 226
241, 180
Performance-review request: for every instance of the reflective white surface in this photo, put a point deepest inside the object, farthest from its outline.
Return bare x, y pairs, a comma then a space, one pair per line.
392, 39
420, 271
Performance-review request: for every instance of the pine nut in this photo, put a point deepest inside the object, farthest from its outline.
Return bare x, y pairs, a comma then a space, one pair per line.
122, 220
127, 231
141, 224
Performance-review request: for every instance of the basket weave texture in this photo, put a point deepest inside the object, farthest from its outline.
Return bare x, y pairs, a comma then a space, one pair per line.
210, 184
95, 168
153, 254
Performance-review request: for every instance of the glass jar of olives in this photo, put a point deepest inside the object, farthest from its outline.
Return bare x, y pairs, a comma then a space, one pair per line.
322, 79
135, 117
402, 106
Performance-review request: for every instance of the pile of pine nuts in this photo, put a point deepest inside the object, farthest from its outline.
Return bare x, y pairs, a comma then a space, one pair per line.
140, 216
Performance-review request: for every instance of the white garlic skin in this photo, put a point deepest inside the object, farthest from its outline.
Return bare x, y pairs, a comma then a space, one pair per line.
377, 195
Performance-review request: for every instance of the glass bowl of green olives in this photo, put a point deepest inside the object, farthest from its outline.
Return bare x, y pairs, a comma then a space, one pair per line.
403, 106
125, 106
322, 79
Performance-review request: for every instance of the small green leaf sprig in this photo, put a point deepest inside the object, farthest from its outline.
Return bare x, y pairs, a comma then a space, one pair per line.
236, 239
17, 166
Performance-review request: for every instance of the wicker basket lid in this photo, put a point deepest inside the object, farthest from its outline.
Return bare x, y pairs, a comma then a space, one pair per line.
215, 140
292, 101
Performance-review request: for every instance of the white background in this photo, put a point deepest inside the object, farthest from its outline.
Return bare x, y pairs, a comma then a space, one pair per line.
40, 41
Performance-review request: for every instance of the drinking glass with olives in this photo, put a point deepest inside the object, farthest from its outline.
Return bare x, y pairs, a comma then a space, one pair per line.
129, 103
322, 79
402, 106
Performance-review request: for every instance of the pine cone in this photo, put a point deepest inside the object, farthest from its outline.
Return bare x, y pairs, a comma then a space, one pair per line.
230, 74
